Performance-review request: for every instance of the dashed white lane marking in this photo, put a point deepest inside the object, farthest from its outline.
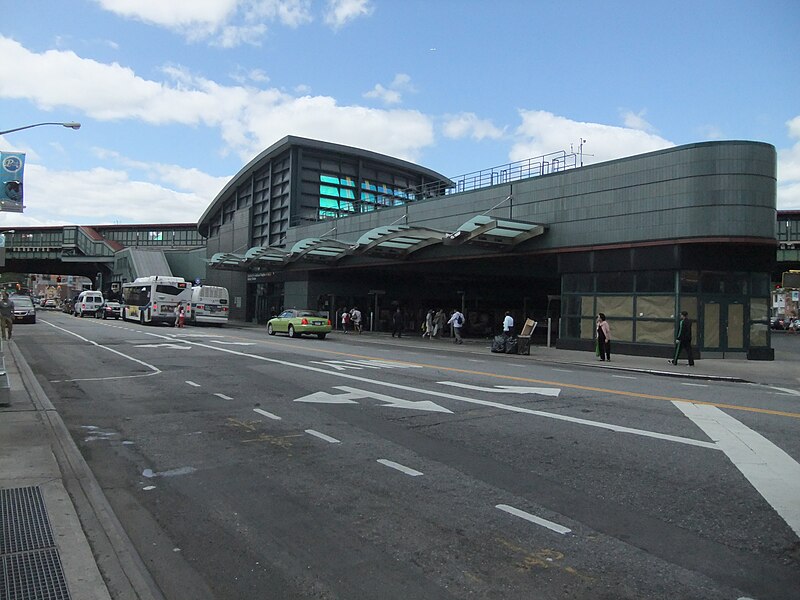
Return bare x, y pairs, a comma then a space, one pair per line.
774, 474
322, 436
223, 396
696, 384
192, 383
267, 414
534, 519
562, 370
399, 467
786, 390
624, 377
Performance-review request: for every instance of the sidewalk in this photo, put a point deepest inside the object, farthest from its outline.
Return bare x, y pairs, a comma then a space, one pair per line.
51, 504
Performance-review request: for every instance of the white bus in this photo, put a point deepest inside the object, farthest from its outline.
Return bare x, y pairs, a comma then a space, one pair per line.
153, 299
210, 304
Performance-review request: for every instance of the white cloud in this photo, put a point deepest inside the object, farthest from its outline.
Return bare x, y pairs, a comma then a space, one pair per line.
226, 23
394, 93
249, 119
542, 132
789, 170
469, 125
634, 120
341, 12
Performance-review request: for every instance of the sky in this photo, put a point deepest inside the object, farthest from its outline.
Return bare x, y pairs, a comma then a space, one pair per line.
176, 96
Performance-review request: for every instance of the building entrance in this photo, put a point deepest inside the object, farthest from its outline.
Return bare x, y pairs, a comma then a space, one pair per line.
723, 326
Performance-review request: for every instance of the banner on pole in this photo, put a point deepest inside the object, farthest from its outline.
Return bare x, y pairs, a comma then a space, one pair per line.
12, 165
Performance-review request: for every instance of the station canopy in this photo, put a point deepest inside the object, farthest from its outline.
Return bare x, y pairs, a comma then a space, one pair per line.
389, 241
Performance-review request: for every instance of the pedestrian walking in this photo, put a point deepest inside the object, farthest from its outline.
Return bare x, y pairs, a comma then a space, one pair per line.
345, 319
6, 316
457, 321
439, 320
508, 325
684, 340
397, 323
355, 317
181, 315
428, 333
603, 338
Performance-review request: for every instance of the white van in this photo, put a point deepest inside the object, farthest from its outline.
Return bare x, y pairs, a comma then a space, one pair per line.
209, 305
88, 302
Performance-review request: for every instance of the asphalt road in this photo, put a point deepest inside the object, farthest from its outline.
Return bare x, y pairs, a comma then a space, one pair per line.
249, 466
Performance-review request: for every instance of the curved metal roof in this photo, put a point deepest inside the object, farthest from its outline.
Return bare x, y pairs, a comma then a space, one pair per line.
290, 141
397, 240
489, 231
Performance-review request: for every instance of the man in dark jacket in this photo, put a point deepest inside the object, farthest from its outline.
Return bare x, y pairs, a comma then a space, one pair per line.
684, 339
397, 323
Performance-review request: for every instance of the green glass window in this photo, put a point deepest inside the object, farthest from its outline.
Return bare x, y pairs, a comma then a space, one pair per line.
348, 181
347, 194
328, 203
329, 179
328, 190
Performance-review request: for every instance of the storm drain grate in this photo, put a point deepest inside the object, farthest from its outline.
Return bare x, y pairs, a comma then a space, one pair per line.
29, 563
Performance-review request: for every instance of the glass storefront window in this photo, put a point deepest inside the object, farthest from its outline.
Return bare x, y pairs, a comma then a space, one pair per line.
578, 282
690, 282
656, 281
758, 334
689, 304
655, 332
587, 329
655, 307
619, 281
759, 311
760, 284
587, 306
615, 306
621, 330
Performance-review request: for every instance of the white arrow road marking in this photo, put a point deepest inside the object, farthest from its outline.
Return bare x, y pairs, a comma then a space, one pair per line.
343, 365
171, 473
505, 389
401, 468
774, 474
176, 346
352, 394
233, 343
534, 519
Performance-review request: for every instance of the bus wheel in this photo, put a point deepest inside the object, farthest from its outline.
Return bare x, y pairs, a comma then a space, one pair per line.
270, 330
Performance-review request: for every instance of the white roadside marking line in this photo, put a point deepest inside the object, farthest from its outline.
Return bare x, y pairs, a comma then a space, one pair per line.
534, 519
562, 370
399, 467
497, 405
624, 377
322, 436
786, 390
774, 474
696, 384
267, 414
223, 396
155, 370
193, 384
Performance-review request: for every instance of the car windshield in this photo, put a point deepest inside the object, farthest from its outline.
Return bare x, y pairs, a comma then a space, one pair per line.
22, 302
309, 313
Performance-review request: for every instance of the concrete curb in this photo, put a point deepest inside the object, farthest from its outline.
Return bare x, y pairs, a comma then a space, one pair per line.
124, 572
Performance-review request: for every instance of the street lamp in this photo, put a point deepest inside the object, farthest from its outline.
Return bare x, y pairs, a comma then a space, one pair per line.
70, 124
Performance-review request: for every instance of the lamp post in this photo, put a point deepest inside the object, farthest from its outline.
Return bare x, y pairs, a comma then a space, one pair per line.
70, 124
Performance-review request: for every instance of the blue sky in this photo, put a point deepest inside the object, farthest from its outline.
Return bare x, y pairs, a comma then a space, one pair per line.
174, 97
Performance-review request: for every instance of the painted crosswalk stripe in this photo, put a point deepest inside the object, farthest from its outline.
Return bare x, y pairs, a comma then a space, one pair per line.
322, 436
267, 414
223, 396
399, 467
534, 519
193, 384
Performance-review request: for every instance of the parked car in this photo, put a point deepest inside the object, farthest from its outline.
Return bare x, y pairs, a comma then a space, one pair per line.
87, 303
109, 310
779, 323
24, 310
300, 321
